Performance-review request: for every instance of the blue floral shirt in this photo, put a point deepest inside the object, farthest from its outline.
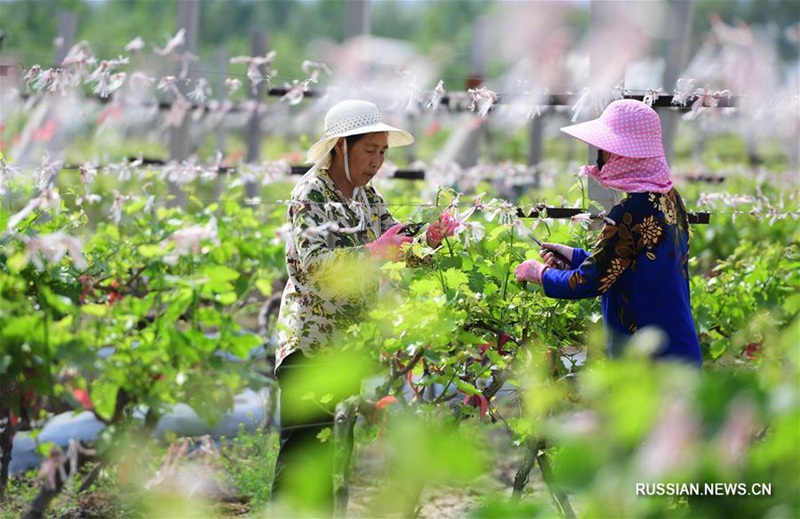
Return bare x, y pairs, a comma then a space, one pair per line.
639, 267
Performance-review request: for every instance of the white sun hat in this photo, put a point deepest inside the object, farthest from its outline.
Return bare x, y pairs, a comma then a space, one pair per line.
354, 118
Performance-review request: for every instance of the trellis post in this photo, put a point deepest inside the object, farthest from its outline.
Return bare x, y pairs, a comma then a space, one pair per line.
597, 193
67, 27
222, 73
258, 47
680, 22
535, 147
188, 19
464, 145
357, 18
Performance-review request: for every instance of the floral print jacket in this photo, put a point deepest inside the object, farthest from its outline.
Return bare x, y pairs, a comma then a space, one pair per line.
331, 279
639, 267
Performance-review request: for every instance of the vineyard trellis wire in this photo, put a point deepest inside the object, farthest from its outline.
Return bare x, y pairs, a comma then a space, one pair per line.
539, 211
764, 207
459, 101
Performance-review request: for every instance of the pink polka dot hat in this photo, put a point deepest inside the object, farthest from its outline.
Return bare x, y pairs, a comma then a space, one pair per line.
627, 127
631, 131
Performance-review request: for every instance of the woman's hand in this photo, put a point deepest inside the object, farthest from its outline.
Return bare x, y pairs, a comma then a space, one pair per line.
442, 228
387, 247
530, 270
552, 260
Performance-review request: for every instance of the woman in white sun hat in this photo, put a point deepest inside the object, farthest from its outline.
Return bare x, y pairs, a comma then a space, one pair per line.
340, 229
639, 265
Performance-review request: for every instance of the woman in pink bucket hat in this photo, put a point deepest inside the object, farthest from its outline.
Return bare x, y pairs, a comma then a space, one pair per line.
639, 265
340, 231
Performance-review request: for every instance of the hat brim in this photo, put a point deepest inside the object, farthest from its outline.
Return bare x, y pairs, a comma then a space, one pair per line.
597, 134
397, 139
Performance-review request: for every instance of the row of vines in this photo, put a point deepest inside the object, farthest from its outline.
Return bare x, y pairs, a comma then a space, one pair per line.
170, 292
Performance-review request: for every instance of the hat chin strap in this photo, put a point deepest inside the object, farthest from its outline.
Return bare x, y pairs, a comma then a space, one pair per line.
347, 164
359, 193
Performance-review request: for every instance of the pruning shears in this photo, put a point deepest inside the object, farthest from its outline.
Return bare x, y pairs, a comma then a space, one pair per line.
411, 229
560, 257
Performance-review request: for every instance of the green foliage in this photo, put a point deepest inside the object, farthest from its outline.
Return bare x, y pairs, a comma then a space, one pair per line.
637, 422
497, 508
167, 288
249, 459
747, 299
162, 291
619, 423
729, 233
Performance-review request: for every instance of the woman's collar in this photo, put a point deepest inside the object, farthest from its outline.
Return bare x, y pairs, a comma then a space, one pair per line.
324, 174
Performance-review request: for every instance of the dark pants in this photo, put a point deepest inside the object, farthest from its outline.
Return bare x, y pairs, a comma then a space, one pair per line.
304, 468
